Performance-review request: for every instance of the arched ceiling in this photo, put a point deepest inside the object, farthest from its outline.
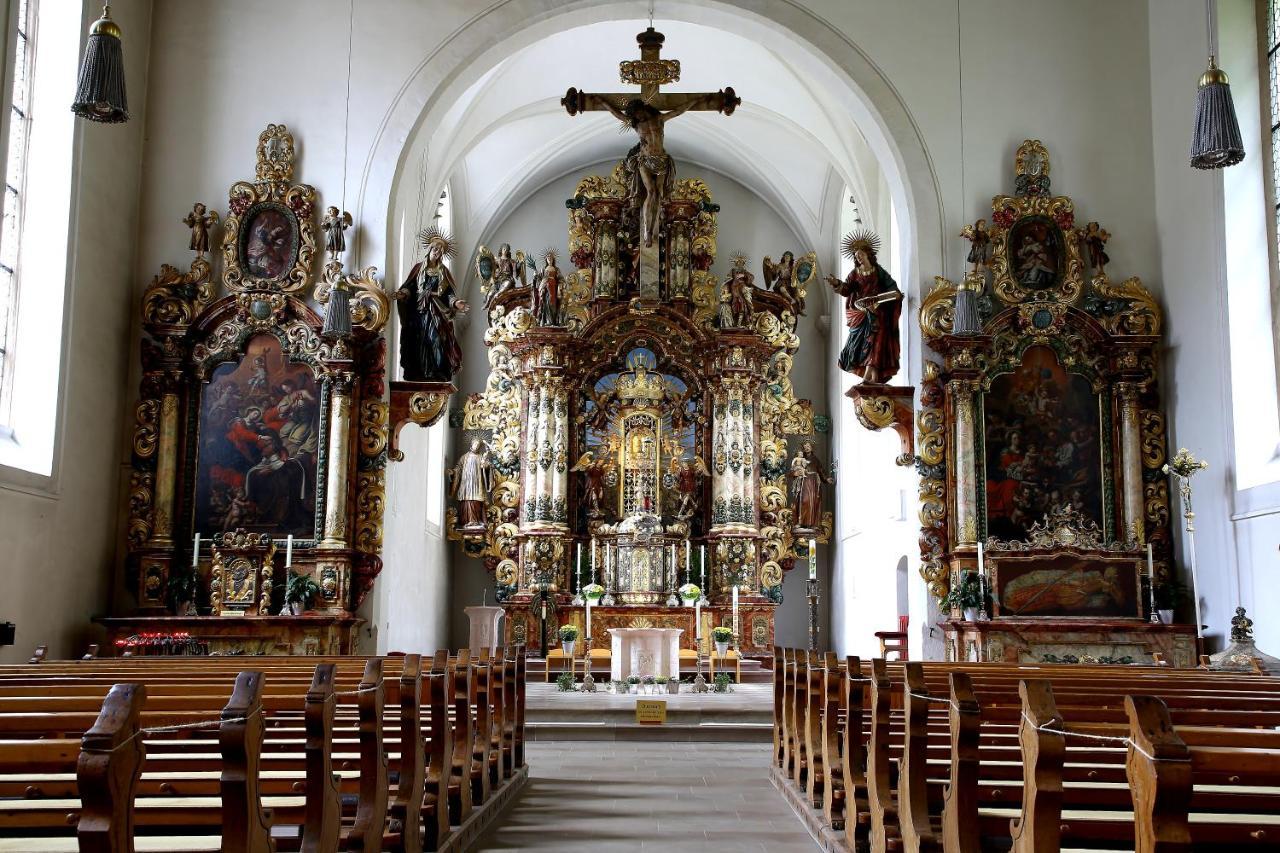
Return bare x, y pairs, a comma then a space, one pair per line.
508, 135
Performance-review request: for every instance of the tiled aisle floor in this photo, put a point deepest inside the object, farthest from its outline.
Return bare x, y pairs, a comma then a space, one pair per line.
668, 797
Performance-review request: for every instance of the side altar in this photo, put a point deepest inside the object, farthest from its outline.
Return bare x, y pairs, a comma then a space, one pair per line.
632, 445
1041, 446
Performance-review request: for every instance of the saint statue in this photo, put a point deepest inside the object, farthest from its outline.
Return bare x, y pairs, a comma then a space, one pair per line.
807, 480
872, 307
979, 243
429, 350
508, 272
592, 471
735, 296
334, 224
471, 480
200, 222
546, 292
688, 473
1095, 239
779, 278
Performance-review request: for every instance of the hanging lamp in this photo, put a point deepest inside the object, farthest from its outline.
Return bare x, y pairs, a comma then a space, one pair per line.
1215, 140
100, 94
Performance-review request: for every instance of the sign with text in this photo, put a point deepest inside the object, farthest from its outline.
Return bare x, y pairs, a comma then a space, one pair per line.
651, 711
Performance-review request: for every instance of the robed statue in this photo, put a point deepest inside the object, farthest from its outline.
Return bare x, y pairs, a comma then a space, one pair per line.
471, 481
334, 224
592, 469
427, 303
807, 480
736, 297
200, 221
872, 308
546, 292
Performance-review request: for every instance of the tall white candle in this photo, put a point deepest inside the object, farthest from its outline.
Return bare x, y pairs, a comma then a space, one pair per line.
578, 564
588, 619
813, 559
697, 622
1151, 578
671, 568
735, 610
593, 559
288, 551
688, 578
195, 551
982, 562
704, 568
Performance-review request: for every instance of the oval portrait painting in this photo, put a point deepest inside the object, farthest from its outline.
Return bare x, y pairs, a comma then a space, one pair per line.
269, 244
1035, 252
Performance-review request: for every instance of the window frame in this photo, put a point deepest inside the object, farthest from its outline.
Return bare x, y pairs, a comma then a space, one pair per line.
12, 9
1269, 61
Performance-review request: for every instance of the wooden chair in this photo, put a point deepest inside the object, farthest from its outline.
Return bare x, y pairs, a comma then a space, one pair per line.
895, 641
567, 664
688, 659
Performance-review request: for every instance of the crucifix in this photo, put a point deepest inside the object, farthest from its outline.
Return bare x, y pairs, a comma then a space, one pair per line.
649, 166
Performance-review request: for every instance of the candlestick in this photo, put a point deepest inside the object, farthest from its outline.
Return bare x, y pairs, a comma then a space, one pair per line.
195, 552
593, 559
703, 562
1151, 582
813, 559
688, 576
735, 610
288, 551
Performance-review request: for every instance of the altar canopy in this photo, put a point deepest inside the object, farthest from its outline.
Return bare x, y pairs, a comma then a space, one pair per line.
639, 408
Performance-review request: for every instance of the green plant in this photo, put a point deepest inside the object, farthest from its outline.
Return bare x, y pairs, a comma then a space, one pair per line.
183, 586
662, 679
967, 593
648, 679
721, 635
564, 682
1170, 595
593, 591
300, 589
690, 591
568, 633
723, 680
633, 679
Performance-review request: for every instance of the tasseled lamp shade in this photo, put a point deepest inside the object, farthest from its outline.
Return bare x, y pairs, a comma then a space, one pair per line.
100, 89
337, 315
1216, 142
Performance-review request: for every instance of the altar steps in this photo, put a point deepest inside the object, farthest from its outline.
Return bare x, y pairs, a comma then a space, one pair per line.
753, 672
744, 715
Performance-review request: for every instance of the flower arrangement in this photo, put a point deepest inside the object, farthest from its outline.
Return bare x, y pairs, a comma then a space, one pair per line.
722, 682
721, 634
568, 633
967, 593
593, 592
300, 590
690, 592
564, 682
661, 679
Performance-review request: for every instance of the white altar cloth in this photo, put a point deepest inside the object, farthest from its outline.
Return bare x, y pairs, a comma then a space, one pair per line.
645, 651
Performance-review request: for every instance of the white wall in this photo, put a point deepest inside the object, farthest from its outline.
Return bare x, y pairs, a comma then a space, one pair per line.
59, 537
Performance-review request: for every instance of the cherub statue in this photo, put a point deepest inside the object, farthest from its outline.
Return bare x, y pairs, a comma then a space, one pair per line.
546, 291
807, 479
428, 302
1095, 238
688, 473
334, 224
979, 243
592, 470
872, 307
200, 222
736, 302
470, 482
780, 278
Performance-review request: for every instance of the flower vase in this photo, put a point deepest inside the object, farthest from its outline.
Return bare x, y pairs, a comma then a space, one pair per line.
566, 646
1166, 616
971, 614
722, 649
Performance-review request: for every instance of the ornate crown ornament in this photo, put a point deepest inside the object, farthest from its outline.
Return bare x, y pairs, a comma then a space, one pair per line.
649, 69
863, 240
431, 235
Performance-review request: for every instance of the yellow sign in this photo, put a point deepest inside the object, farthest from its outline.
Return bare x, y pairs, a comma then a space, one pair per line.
651, 711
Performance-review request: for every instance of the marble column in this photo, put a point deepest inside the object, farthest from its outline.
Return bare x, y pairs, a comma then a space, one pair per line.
1131, 462
335, 502
962, 399
558, 469
733, 451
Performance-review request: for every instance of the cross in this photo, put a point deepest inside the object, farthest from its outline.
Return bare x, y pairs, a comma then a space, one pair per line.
646, 112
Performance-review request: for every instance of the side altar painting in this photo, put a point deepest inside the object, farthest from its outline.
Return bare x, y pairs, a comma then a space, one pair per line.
262, 431
638, 444
1041, 439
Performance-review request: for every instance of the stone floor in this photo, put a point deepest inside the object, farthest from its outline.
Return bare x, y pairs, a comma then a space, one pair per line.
649, 797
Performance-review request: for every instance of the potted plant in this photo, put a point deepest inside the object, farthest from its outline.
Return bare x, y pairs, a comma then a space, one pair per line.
672, 684
966, 596
648, 682
564, 682
183, 586
689, 594
568, 636
1169, 596
299, 592
721, 636
592, 592
722, 682
633, 684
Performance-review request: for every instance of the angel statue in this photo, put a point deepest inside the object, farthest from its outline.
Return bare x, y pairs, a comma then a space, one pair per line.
979, 243
470, 482
427, 304
200, 222
872, 308
592, 471
505, 273
780, 278
546, 291
807, 480
1095, 238
688, 473
736, 302
334, 225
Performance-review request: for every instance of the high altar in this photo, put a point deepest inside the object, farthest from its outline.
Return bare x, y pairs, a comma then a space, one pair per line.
633, 432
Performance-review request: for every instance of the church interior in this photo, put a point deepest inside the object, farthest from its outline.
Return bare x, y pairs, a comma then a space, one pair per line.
699, 424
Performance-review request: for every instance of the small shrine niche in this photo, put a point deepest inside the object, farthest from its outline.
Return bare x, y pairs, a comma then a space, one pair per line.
1041, 441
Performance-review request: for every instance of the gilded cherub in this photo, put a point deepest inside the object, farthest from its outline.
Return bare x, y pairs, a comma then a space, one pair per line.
200, 221
979, 243
1095, 238
334, 225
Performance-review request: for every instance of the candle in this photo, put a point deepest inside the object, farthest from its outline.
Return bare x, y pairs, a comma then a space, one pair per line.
697, 623
813, 559
588, 619
982, 563
688, 577
578, 563
288, 551
671, 569
735, 610
195, 552
703, 562
1151, 577
593, 559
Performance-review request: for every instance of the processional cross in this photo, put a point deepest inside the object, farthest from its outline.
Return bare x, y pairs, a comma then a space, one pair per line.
646, 112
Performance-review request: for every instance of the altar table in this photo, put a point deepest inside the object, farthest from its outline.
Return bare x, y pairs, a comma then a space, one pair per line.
645, 651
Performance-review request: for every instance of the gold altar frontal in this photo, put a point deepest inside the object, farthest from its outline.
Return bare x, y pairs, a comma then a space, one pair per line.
755, 620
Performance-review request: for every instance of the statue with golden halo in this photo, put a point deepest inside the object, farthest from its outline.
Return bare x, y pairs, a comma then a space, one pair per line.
872, 307
428, 302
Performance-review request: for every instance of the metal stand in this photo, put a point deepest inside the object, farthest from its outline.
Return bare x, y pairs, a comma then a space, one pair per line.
588, 683
699, 681
814, 629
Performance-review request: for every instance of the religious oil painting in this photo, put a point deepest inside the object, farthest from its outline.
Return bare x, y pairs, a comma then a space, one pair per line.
1066, 585
1043, 441
258, 443
1035, 252
269, 242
